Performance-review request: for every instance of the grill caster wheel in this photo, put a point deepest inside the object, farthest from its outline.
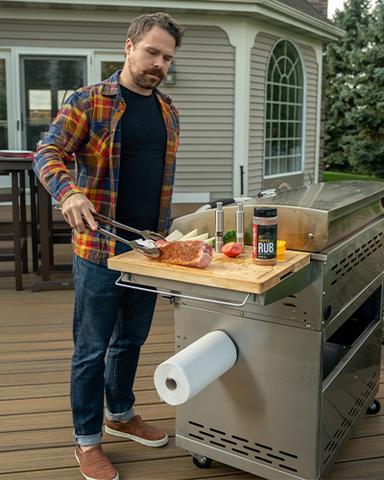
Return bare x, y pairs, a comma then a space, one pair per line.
374, 408
201, 461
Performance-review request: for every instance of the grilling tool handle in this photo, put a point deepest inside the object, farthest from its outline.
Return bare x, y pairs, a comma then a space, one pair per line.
120, 283
113, 223
149, 251
147, 234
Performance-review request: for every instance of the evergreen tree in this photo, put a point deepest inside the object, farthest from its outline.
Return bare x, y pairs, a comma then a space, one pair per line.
343, 65
365, 144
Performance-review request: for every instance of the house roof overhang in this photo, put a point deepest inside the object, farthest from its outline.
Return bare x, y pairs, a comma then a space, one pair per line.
272, 12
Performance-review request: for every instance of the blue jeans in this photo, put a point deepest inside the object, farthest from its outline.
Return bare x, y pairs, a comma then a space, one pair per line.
110, 325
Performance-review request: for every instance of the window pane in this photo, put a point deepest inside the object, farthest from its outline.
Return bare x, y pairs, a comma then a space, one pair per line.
299, 95
299, 73
275, 148
275, 129
282, 67
285, 107
268, 130
62, 96
283, 147
108, 68
276, 111
40, 107
267, 149
270, 73
283, 164
281, 130
48, 82
3, 107
276, 75
268, 113
276, 93
291, 51
274, 165
267, 171
279, 50
284, 94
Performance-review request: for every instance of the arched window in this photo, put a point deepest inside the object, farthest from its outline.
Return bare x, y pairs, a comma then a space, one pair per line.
284, 111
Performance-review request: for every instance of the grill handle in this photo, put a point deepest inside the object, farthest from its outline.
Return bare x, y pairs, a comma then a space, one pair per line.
119, 282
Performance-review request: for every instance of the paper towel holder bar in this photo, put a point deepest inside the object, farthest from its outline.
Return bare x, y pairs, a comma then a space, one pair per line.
171, 384
120, 283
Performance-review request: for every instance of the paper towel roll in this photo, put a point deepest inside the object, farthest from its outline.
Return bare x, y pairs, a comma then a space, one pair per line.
187, 373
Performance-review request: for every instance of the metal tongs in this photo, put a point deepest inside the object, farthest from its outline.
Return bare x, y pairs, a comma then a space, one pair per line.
150, 251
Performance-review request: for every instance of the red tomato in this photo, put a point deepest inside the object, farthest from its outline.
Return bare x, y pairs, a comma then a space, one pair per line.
232, 249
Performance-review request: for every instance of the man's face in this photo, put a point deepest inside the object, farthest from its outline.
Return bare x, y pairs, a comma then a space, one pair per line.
148, 60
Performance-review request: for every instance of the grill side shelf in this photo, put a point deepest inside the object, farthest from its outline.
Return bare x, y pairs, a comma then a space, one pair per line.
229, 274
291, 284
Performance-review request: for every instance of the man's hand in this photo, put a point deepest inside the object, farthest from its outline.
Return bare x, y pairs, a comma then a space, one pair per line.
75, 209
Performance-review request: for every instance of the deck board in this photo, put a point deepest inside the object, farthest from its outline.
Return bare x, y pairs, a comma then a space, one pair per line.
35, 417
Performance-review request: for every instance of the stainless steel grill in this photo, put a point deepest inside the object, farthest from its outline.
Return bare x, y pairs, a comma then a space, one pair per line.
309, 348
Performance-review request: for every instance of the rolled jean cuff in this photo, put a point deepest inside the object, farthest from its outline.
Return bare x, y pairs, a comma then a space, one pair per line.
120, 417
87, 440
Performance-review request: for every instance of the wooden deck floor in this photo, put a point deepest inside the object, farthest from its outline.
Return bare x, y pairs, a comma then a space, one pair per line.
35, 423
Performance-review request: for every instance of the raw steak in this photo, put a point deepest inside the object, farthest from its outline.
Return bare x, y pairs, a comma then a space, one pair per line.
189, 253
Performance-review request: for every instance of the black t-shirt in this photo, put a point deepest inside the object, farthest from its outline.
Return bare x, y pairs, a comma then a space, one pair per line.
143, 147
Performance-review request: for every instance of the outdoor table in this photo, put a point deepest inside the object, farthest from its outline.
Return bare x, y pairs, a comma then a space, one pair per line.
41, 218
16, 166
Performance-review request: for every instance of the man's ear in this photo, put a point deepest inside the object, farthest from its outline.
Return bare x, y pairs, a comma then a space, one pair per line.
128, 46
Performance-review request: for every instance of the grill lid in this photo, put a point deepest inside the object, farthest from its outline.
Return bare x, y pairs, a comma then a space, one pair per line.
310, 218
337, 199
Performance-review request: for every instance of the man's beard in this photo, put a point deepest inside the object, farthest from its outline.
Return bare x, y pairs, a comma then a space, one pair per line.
142, 80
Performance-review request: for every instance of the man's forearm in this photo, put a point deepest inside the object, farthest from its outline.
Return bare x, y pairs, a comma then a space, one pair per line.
51, 169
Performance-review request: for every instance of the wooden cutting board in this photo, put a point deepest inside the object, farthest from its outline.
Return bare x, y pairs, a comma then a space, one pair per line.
239, 274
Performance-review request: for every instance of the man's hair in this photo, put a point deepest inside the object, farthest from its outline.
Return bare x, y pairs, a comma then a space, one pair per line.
144, 23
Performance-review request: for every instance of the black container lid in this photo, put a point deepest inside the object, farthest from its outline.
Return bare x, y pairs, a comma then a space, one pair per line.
265, 212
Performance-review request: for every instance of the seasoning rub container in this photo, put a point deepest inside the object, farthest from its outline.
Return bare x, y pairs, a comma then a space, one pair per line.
264, 235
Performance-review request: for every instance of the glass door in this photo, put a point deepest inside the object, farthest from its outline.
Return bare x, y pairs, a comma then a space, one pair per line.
4, 110
46, 81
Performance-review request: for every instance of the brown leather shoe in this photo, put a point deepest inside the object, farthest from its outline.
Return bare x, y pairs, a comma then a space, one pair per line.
95, 465
138, 431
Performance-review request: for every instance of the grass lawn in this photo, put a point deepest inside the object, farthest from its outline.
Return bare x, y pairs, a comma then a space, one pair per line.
338, 176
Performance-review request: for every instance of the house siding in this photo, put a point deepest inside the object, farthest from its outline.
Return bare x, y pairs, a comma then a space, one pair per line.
204, 93
311, 69
261, 50
204, 96
52, 34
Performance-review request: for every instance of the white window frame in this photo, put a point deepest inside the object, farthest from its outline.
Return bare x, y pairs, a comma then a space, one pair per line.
19, 52
104, 56
6, 54
304, 109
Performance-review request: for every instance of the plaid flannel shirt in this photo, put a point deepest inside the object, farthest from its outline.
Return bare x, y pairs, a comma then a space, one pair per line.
87, 131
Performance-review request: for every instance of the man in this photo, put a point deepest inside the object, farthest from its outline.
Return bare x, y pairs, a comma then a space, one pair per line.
123, 134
